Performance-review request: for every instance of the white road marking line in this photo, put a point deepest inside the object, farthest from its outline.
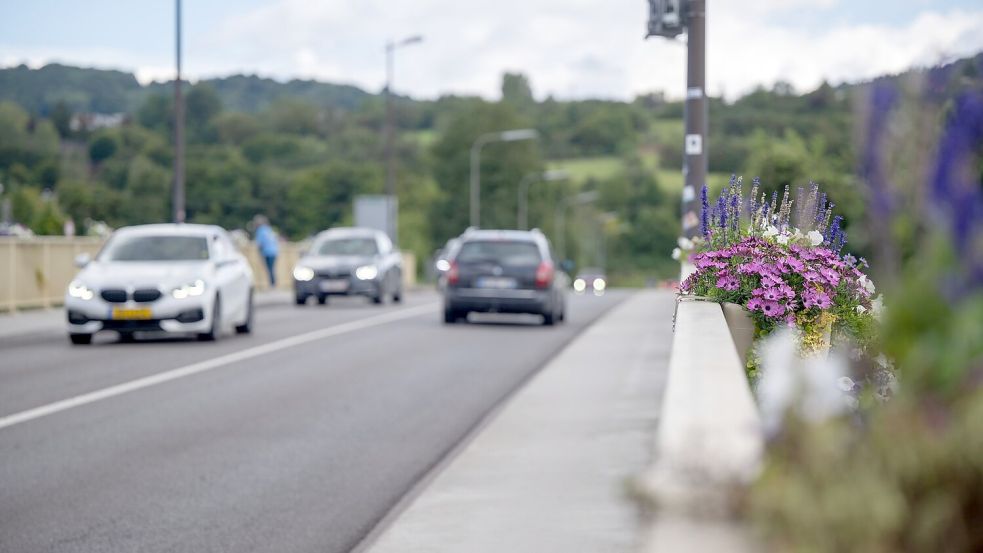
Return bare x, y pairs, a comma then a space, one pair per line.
207, 365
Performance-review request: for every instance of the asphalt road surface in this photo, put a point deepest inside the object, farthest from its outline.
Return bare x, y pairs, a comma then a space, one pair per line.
300, 437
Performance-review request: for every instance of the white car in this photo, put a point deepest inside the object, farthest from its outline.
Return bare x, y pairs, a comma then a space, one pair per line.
174, 278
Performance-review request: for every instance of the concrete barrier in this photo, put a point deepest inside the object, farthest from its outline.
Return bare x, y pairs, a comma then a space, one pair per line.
34, 272
709, 443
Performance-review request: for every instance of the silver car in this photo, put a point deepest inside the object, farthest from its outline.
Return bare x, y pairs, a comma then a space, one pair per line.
175, 278
349, 262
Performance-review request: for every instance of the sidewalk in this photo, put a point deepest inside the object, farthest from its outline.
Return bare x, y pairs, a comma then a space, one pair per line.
550, 471
35, 321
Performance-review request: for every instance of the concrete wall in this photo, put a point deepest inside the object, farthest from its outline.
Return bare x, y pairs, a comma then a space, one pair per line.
34, 272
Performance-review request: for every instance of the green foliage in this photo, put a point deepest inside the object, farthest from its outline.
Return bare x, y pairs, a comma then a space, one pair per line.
102, 148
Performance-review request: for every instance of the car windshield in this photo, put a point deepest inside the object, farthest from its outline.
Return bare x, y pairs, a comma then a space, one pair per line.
512, 254
361, 247
156, 248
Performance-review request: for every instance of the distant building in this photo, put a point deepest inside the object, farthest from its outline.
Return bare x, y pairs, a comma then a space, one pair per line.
96, 121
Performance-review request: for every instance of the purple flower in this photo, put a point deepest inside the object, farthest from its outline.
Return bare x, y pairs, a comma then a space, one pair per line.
773, 294
811, 276
831, 276
772, 309
812, 298
754, 304
728, 282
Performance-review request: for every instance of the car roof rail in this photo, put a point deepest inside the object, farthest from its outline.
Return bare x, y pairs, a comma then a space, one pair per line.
536, 230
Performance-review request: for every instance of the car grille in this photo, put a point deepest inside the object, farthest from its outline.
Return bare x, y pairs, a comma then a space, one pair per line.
334, 273
114, 296
146, 295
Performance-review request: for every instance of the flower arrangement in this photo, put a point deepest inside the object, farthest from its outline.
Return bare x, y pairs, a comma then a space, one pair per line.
783, 264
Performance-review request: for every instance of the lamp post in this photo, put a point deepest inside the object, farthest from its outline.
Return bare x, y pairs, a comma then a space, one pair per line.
503, 136
390, 144
522, 203
561, 217
177, 193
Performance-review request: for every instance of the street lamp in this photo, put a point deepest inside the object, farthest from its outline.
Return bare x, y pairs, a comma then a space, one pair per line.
503, 136
177, 192
391, 132
522, 213
561, 217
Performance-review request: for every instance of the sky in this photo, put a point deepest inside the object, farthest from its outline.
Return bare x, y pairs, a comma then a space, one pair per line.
567, 48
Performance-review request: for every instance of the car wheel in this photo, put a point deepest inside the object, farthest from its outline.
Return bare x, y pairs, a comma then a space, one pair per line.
548, 318
215, 330
398, 295
452, 316
300, 300
247, 326
378, 299
322, 299
80, 339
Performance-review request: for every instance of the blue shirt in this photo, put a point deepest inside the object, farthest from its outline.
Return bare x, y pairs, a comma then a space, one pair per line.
266, 241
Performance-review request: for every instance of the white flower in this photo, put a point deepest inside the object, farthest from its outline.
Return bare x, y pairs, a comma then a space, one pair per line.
782, 239
676, 253
809, 386
861, 309
770, 231
866, 283
815, 237
798, 234
884, 362
845, 383
877, 306
685, 243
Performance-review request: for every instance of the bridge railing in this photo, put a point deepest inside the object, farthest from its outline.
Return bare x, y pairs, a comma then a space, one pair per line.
709, 441
34, 272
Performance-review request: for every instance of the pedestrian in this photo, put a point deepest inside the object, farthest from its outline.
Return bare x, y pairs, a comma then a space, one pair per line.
266, 241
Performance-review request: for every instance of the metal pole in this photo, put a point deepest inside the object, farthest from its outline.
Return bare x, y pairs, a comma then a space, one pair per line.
561, 230
389, 144
476, 181
522, 203
695, 146
178, 190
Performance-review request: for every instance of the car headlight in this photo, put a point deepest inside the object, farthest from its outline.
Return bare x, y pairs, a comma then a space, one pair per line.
599, 285
579, 285
78, 290
191, 290
303, 274
367, 272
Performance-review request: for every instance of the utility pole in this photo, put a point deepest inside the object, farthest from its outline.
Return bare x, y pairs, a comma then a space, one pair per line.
670, 18
177, 194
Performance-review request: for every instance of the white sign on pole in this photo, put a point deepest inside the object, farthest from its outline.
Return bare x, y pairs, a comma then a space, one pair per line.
694, 144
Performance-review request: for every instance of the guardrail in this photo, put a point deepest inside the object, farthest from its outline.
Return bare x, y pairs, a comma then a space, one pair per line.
34, 272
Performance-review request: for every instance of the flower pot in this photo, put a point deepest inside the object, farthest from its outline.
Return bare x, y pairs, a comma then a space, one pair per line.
741, 327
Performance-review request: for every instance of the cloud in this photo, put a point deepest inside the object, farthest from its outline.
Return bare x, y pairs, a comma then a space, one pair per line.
568, 48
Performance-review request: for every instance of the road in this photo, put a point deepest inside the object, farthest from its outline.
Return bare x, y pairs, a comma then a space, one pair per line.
300, 437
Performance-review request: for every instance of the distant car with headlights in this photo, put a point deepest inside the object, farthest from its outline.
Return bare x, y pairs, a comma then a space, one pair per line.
174, 278
505, 271
349, 262
442, 261
590, 280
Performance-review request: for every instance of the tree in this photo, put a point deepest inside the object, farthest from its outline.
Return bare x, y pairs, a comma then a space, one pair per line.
102, 148
517, 92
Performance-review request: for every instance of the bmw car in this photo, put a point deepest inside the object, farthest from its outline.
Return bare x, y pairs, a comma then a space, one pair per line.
505, 271
349, 262
171, 278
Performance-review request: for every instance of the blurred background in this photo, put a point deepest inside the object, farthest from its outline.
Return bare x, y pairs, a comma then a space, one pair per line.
286, 111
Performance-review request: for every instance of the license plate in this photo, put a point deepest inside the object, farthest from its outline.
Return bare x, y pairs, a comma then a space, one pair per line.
138, 314
334, 285
496, 283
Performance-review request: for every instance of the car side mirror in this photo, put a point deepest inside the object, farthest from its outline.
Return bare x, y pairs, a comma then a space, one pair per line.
567, 265
82, 259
